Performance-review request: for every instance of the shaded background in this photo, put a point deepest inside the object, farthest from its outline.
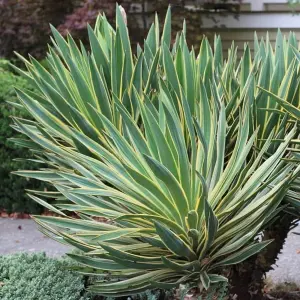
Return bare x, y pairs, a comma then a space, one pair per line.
24, 24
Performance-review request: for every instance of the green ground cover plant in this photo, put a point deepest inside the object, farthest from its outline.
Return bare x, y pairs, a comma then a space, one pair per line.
35, 276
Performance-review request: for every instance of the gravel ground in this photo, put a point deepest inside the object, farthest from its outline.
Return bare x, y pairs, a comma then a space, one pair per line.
19, 235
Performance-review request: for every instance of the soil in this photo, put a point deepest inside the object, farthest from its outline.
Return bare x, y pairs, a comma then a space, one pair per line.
283, 296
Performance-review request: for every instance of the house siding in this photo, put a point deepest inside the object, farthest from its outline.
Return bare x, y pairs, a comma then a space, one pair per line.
257, 16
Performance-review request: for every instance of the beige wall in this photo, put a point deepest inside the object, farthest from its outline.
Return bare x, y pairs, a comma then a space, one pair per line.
261, 16
246, 36
272, 14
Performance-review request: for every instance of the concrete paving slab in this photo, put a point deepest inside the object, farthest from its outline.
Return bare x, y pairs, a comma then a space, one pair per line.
22, 235
287, 267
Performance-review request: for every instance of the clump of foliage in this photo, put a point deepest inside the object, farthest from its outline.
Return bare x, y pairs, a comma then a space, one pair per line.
35, 276
187, 156
12, 188
86, 13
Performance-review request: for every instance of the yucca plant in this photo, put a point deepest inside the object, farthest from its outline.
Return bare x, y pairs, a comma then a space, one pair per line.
173, 162
276, 70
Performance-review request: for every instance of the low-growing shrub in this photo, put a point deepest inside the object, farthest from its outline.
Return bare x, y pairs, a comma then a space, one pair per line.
35, 276
38, 277
12, 195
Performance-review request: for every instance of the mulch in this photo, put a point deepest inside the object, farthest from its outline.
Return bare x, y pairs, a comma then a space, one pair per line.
283, 296
19, 215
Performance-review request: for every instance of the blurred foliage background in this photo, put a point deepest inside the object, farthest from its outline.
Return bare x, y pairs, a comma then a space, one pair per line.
24, 24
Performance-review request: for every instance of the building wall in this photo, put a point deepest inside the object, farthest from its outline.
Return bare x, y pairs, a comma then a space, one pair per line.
243, 36
260, 16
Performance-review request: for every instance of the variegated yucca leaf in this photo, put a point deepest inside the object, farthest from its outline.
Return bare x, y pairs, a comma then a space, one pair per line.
186, 156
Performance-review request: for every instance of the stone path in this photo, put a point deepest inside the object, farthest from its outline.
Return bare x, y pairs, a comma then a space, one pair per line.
19, 235
22, 235
287, 267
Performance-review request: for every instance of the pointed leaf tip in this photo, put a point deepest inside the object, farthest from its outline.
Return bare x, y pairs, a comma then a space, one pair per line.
123, 13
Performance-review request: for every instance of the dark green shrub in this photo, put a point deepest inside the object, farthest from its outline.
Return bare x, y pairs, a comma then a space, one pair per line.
12, 194
26, 276
37, 277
